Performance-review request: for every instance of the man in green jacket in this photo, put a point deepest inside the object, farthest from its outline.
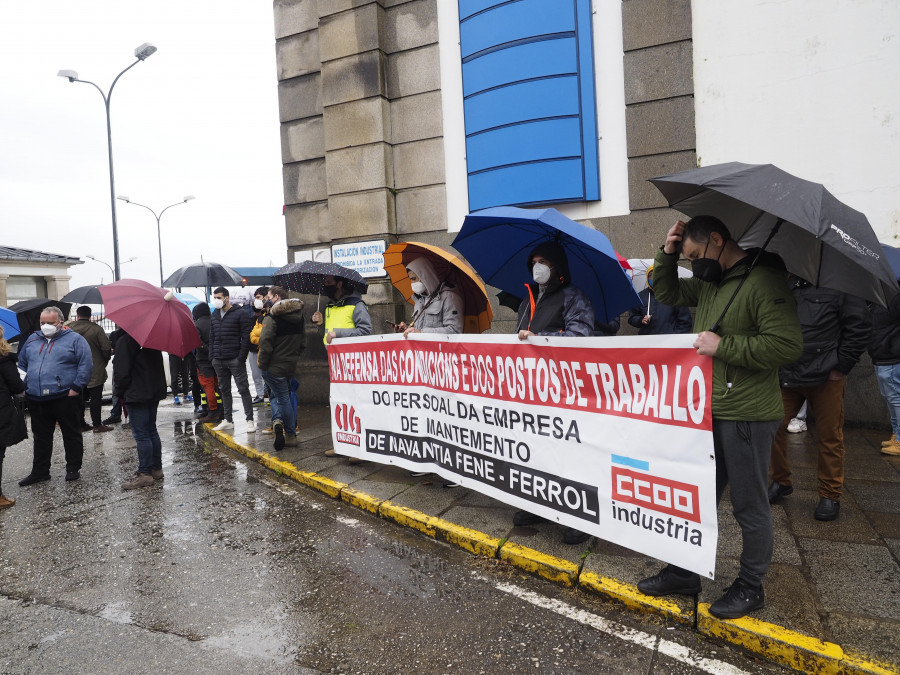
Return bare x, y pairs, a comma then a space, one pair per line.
101, 352
280, 343
759, 333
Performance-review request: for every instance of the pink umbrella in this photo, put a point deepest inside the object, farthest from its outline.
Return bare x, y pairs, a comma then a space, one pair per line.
153, 316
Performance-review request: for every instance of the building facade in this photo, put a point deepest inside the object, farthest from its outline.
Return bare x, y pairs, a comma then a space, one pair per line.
28, 274
398, 117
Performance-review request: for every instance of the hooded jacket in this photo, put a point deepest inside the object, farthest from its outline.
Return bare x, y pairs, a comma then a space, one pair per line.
440, 308
282, 339
138, 374
201, 315
229, 334
836, 329
562, 309
760, 332
884, 343
55, 365
664, 319
101, 350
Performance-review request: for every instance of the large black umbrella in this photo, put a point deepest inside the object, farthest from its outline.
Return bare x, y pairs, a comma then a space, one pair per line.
820, 238
28, 313
84, 295
203, 274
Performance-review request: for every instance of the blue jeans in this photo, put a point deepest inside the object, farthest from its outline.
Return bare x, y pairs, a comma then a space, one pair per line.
280, 399
889, 384
143, 428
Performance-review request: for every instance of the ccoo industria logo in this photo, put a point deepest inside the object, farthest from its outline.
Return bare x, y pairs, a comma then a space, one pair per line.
348, 424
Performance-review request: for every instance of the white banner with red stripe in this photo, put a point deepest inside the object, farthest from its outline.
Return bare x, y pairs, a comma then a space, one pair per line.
611, 436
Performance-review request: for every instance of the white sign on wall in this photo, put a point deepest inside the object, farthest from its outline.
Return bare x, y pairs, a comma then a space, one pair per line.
363, 256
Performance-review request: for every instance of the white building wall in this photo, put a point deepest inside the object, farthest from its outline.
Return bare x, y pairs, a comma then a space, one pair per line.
810, 86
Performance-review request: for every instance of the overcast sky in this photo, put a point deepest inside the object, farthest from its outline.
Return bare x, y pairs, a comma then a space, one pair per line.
199, 117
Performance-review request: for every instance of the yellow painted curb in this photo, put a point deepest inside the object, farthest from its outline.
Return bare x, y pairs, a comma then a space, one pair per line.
472, 541
857, 664
548, 566
800, 652
409, 518
632, 598
361, 500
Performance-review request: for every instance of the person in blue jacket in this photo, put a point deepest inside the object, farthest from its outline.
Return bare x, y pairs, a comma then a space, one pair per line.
58, 365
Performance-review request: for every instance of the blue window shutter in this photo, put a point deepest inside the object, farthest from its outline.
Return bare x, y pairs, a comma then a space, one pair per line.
529, 101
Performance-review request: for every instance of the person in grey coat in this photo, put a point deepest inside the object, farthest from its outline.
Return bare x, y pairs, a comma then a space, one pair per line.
438, 305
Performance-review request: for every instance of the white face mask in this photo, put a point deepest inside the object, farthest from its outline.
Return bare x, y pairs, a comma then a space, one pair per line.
419, 288
49, 329
541, 273
218, 304
258, 303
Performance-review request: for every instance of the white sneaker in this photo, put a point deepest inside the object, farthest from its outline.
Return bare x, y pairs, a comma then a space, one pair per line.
251, 426
796, 426
224, 425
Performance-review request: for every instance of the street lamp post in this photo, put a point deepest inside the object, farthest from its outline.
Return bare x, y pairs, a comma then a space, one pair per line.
141, 53
108, 265
158, 218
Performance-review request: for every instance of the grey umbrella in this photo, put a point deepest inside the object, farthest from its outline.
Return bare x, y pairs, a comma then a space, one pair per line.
819, 237
89, 295
203, 274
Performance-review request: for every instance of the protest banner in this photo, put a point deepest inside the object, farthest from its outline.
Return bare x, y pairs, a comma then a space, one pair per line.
611, 436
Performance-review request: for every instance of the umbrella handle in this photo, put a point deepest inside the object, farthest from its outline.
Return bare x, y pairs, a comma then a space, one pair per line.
318, 300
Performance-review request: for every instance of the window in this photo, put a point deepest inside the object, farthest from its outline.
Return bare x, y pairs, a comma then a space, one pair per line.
529, 102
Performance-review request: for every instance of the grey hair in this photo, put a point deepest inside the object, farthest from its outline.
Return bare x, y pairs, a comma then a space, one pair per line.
56, 310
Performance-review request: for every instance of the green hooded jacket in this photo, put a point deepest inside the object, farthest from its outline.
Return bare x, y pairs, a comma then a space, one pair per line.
759, 333
282, 339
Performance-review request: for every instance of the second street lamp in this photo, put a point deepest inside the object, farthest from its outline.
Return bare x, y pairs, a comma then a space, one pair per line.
158, 218
141, 53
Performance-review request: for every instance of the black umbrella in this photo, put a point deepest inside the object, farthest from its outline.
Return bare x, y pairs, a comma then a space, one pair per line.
309, 276
28, 313
84, 295
203, 274
820, 238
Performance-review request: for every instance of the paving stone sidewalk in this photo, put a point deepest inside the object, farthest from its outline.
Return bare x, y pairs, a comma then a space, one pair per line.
838, 582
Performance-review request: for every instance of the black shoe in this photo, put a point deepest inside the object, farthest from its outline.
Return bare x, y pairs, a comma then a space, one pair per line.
112, 419
257, 401
73, 475
827, 509
278, 427
85, 426
670, 582
31, 479
740, 599
777, 492
573, 536
525, 518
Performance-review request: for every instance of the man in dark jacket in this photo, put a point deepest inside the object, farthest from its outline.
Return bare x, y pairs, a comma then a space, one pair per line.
554, 307
757, 334
655, 318
884, 348
836, 328
58, 366
101, 351
206, 374
140, 381
229, 344
280, 343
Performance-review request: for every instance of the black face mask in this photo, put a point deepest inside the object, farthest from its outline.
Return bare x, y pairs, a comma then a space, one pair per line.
330, 291
707, 269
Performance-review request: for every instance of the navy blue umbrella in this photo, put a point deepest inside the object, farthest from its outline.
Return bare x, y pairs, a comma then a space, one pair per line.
309, 276
893, 257
497, 241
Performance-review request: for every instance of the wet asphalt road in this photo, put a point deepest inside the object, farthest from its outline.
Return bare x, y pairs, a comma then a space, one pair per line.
222, 567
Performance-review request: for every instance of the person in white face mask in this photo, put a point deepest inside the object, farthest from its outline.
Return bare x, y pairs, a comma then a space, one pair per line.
438, 305
58, 365
259, 309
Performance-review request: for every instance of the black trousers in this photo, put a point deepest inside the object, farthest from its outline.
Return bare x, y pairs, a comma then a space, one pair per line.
94, 397
44, 417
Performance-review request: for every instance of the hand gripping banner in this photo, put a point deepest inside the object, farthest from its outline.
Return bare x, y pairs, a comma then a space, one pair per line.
611, 436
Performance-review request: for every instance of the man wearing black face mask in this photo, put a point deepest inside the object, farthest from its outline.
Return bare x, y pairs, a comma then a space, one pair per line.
759, 333
346, 315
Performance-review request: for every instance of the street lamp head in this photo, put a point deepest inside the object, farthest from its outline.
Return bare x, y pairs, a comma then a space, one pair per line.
71, 75
124, 198
144, 51
189, 198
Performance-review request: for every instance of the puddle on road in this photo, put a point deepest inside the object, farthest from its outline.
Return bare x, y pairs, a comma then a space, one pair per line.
254, 640
116, 613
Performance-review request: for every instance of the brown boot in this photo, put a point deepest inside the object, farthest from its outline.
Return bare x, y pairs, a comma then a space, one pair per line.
214, 417
5, 502
140, 480
892, 449
890, 441
101, 428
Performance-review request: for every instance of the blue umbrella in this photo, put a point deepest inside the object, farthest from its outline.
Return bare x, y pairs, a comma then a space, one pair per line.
497, 241
10, 323
188, 299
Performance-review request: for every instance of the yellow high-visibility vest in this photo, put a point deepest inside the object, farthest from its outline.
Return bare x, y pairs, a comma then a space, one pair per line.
338, 316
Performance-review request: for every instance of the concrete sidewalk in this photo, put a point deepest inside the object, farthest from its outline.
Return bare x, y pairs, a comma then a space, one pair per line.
832, 593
